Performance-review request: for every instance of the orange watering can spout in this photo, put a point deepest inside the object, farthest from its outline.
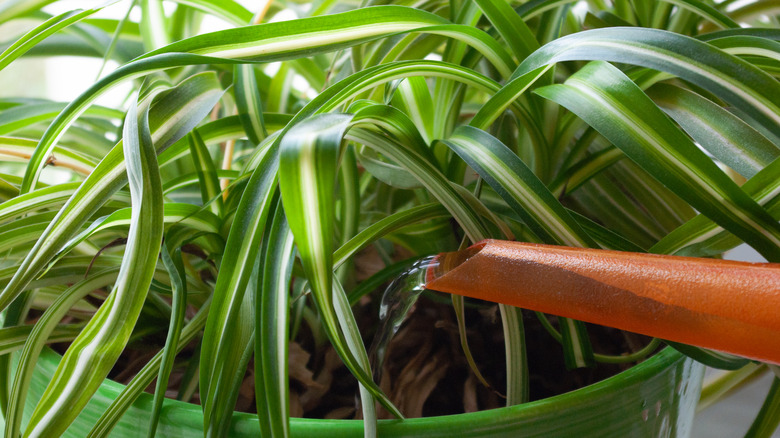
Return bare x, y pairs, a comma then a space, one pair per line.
722, 305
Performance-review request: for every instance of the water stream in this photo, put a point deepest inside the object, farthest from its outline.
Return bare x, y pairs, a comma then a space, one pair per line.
397, 301
402, 293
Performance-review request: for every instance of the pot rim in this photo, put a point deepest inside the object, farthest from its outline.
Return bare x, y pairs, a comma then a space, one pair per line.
189, 416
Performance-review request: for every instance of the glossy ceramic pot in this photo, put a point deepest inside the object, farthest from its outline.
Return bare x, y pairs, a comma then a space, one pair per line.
656, 398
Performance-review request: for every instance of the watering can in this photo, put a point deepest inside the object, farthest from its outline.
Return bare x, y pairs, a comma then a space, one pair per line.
723, 305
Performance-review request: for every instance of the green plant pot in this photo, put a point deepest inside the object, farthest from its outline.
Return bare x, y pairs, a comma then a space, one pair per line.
656, 398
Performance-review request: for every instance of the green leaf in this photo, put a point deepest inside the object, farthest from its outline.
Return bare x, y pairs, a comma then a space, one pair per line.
92, 355
13, 338
19, 149
721, 385
661, 205
514, 334
768, 417
37, 339
605, 237
228, 10
701, 237
272, 329
706, 11
597, 94
417, 160
208, 180
250, 108
533, 8
41, 32
309, 159
228, 334
726, 137
734, 80
354, 342
582, 171
747, 44
46, 197
278, 41
413, 98
185, 215
538, 208
507, 95
144, 378
19, 117
349, 188
714, 359
280, 90
626, 217
153, 26
385, 226
16, 8
171, 117
510, 26
175, 266
271, 42
518, 186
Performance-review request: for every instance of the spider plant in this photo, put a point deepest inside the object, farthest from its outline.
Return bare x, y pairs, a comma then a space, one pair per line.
224, 201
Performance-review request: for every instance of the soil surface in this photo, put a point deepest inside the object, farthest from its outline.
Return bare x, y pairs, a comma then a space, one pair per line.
426, 372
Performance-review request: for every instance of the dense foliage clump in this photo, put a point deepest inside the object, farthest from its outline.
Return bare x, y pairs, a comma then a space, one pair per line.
227, 226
